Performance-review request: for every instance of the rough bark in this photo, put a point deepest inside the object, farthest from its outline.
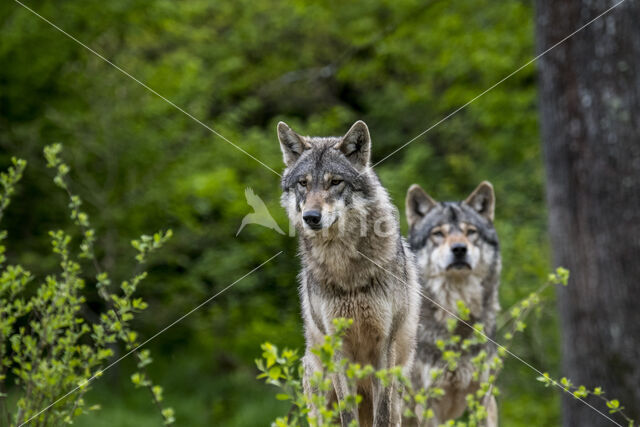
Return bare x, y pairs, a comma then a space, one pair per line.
590, 117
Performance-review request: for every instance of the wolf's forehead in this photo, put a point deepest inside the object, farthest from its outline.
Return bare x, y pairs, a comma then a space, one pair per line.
321, 159
445, 213
322, 141
455, 213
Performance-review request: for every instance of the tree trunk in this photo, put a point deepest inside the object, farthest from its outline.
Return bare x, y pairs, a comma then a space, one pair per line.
590, 117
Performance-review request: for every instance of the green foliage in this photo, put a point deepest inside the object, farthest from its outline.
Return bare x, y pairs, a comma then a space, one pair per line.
560, 277
582, 392
47, 343
285, 371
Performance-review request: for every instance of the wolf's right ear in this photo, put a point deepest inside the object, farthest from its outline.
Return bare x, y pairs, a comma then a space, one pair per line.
483, 200
418, 204
291, 144
356, 145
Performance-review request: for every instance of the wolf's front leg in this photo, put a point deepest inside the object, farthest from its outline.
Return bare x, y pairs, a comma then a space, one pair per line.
492, 411
310, 365
382, 404
386, 410
342, 389
431, 422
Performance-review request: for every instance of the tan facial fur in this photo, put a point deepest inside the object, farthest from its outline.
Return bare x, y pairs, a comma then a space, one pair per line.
443, 260
322, 198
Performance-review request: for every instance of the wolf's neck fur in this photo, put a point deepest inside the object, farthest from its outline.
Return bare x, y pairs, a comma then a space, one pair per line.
335, 258
448, 290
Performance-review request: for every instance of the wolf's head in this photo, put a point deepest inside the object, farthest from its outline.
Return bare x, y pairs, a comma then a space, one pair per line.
453, 239
328, 181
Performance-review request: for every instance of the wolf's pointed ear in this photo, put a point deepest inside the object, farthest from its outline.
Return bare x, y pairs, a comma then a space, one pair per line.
291, 144
356, 145
418, 204
483, 200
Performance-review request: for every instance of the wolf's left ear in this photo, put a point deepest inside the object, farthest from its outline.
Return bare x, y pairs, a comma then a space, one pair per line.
291, 144
356, 145
418, 204
483, 200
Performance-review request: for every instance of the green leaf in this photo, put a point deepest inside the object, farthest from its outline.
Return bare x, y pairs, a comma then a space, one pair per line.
275, 373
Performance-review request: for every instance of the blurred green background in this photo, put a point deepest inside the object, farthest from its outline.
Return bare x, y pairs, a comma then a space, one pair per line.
141, 165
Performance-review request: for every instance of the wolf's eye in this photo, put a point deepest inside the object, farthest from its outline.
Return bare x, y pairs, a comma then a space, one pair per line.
303, 182
437, 234
471, 231
336, 181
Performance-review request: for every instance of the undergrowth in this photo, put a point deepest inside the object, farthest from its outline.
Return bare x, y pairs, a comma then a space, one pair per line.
52, 344
284, 370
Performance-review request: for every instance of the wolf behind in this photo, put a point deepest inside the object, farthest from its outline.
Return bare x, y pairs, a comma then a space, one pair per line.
355, 264
458, 258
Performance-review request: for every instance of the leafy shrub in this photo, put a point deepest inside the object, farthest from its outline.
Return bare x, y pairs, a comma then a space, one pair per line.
51, 342
284, 370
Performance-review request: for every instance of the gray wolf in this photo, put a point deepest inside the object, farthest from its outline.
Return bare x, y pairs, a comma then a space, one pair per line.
458, 258
343, 216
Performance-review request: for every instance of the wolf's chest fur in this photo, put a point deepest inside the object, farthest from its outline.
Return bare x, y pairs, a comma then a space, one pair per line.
341, 283
333, 262
366, 303
372, 320
448, 292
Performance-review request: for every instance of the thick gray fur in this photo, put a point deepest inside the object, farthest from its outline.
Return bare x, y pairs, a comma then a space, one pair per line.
356, 265
434, 229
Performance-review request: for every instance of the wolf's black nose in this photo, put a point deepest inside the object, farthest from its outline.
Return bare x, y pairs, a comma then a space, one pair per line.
312, 218
459, 249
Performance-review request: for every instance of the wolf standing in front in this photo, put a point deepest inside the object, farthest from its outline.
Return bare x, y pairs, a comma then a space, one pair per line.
458, 259
355, 264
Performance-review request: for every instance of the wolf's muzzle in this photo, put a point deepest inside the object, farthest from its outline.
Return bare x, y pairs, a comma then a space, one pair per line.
313, 219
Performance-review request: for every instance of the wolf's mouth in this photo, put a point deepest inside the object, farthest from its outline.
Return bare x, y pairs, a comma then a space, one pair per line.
459, 265
319, 226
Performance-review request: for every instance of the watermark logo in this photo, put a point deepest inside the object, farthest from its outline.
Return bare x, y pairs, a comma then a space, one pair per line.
260, 215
